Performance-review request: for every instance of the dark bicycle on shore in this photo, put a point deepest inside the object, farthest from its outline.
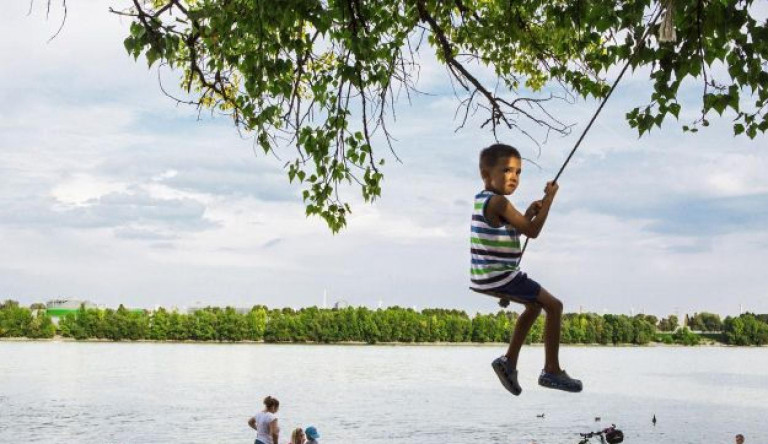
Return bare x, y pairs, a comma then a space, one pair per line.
611, 435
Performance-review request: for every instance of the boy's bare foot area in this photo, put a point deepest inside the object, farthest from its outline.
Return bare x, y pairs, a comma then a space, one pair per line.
507, 375
560, 381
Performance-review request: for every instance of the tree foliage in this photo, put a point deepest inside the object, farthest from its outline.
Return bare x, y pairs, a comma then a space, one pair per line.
746, 329
669, 323
17, 321
355, 324
312, 324
322, 76
685, 336
705, 322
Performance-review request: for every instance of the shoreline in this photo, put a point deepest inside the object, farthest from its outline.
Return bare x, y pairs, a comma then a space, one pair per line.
355, 343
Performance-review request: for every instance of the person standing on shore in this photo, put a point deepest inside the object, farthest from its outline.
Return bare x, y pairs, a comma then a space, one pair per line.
265, 422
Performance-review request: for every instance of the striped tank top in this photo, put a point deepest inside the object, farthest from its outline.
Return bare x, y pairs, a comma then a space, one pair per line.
495, 250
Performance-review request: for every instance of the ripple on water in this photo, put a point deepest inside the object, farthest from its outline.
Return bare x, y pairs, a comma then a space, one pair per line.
156, 393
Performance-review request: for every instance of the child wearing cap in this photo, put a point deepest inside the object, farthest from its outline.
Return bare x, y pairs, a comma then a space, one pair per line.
312, 435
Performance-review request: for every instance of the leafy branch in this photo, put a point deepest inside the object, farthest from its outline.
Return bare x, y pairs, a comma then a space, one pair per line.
323, 76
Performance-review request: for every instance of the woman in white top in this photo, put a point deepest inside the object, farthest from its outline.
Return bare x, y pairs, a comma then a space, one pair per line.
265, 422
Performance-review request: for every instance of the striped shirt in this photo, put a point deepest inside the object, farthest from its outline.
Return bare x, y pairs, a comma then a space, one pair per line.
495, 250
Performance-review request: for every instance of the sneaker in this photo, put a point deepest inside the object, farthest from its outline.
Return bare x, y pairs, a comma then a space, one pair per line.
559, 381
507, 375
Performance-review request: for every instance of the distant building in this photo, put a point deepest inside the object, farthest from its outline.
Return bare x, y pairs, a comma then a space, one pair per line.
64, 306
193, 309
58, 308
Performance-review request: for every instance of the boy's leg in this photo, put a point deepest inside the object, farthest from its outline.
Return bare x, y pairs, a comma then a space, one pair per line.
554, 309
522, 327
506, 366
553, 376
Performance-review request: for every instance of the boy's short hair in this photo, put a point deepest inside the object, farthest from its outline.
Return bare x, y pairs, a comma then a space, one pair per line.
490, 156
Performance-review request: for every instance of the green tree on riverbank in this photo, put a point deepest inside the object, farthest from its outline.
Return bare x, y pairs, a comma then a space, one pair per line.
746, 329
17, 321
705, 322
669, 323
358, 324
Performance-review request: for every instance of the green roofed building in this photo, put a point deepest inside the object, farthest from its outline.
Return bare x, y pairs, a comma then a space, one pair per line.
61, 307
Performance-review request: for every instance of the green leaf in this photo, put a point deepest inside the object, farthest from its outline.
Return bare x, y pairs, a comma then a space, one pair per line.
674, 109
152, 56
298, 70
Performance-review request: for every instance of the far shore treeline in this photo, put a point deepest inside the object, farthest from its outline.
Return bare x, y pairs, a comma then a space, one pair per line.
360, 324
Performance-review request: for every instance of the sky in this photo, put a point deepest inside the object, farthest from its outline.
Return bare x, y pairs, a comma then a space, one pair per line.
111, 192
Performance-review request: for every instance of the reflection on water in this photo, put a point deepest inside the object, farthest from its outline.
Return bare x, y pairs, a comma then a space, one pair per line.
203, 393
729, 380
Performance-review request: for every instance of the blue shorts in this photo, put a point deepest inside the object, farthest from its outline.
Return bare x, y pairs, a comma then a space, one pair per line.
521, 289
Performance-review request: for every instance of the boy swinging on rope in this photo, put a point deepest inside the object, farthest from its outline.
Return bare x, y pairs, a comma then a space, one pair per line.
496, 253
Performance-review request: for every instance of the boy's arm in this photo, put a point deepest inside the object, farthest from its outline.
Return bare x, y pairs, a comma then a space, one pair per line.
533, 210
530, 227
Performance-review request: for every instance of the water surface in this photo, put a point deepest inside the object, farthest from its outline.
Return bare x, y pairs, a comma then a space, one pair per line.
66, 392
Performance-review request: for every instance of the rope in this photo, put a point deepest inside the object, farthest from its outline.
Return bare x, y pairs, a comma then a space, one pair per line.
600, 108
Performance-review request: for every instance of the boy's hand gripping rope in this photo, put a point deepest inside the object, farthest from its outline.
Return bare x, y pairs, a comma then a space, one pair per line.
600, 108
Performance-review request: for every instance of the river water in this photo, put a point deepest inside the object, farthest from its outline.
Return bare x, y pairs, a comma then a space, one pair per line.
66, 392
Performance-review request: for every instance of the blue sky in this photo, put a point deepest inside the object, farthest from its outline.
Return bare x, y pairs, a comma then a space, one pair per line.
113, 193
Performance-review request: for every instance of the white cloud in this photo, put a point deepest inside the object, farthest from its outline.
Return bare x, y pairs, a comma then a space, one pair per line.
82, 187
167, 174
